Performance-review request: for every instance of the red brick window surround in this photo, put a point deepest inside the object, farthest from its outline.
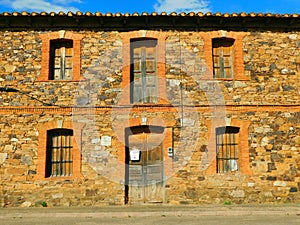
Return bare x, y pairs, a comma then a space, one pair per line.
160, 51
238, 144
236, 50
67, 58
59, 155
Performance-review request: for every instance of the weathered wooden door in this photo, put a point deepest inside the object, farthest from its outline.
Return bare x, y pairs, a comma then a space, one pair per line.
145, 180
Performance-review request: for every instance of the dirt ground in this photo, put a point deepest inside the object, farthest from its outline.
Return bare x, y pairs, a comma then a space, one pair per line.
146, 215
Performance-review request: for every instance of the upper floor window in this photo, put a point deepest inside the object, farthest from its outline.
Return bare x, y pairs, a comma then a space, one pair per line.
223, 57
61, 56
59, 155
143, 71
227, 144
144, 67
61, 59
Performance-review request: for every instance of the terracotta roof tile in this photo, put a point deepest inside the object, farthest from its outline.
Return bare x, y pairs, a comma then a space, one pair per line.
182, 14
165, 21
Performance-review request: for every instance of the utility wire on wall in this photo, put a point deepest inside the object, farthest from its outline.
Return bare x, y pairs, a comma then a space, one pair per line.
9, 89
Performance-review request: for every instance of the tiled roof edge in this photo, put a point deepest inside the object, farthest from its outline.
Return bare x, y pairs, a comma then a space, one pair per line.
181, 14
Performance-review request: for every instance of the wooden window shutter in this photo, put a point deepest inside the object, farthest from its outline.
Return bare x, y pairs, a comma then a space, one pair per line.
143, 77
223, 57
61, 59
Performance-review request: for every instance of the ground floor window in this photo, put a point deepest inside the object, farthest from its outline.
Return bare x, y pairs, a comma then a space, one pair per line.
227, 146
59, 156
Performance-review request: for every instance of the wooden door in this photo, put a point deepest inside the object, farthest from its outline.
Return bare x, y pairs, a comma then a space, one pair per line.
145, 180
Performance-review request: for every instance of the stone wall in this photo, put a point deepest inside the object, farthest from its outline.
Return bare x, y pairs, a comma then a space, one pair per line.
268, 100
274, 162
271, 62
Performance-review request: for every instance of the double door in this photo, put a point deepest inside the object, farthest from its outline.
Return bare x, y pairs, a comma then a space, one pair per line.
145, 172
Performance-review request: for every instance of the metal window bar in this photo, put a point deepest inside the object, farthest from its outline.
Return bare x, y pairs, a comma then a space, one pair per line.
61, 153
227, 149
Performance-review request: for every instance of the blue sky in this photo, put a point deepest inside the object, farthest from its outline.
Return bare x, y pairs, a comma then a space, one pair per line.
103, 6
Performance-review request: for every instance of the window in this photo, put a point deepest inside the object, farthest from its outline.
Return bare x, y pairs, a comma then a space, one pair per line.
61, 56
59, 156
143, 71
155, 40
61, 59
223, 52
224, 55
59, 150
227, 141
229, 148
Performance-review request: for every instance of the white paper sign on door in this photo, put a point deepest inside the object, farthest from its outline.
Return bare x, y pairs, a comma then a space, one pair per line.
135, 155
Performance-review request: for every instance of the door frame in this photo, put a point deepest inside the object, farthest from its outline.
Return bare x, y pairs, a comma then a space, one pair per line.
137, 130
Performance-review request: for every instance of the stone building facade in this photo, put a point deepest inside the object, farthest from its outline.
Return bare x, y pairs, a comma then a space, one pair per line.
117, 109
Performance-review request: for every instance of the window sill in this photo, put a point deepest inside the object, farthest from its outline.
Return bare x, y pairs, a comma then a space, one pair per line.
229, 173
73, 177
58, 81
158, 104
228, 79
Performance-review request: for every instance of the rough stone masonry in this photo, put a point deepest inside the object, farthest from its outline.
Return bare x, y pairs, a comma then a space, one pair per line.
263, 101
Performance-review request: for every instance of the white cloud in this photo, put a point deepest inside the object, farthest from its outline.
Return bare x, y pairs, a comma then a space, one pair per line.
68, 1
5, 2
182, 6
41, 5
